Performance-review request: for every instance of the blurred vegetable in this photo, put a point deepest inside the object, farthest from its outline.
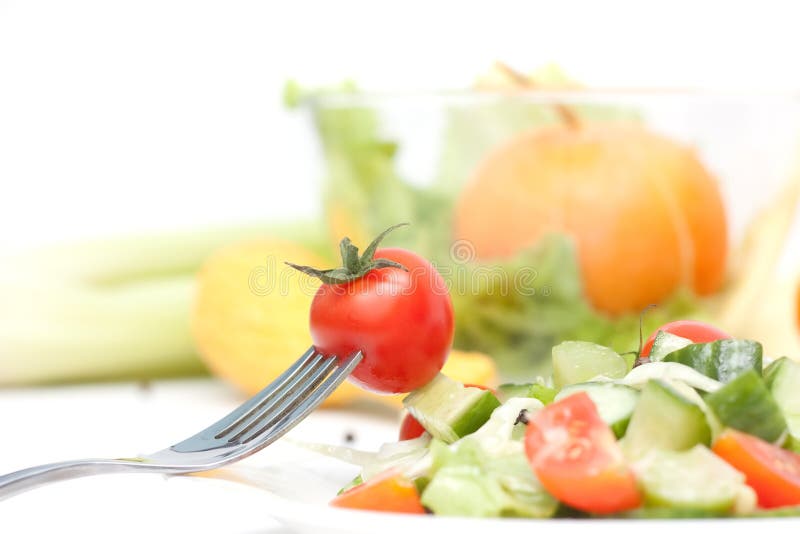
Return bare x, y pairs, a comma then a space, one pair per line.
646, 216
250, 317
114, 309
517, 309
760, 303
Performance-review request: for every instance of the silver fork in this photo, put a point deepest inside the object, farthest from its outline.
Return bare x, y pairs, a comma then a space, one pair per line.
247, 429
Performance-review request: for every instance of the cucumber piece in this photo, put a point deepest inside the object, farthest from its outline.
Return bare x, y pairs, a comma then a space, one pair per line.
665, 419
746, 404
665, 343
615, 403
448, 410
580, 361
534, 390
783, 380
696, 479
721, 360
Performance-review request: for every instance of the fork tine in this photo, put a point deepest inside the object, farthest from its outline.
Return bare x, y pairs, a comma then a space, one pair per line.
269, 413
274, 397
250, 405
290, 419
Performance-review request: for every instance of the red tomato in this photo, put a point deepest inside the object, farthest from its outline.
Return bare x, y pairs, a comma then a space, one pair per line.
773, 473
695, 330
410, 427
576, 458
390, 492
402, 321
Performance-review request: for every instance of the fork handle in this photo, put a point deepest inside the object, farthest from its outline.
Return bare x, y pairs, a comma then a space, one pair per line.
26, 479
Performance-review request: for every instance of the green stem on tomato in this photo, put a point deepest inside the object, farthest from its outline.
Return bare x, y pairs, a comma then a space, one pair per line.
353, 266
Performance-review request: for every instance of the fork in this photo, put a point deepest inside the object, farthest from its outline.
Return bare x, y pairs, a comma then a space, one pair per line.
249, 428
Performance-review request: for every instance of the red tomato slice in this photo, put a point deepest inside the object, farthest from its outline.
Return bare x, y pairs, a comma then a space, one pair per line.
390, 492
773, 473
410, 428
695, 330
576, 458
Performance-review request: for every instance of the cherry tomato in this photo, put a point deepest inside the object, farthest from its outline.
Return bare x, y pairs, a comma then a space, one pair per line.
773, 473
576, 458
694, 330
401, 320
390, 492
410, 427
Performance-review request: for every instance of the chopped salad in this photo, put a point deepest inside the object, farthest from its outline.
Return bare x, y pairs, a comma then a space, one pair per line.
695, 424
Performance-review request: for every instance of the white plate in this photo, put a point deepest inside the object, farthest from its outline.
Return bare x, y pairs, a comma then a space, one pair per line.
298, 484
295, 485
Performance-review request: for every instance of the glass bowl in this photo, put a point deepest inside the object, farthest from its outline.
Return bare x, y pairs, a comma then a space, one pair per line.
545, 211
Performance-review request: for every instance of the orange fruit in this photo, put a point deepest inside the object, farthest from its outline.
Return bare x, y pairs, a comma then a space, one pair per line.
646, 216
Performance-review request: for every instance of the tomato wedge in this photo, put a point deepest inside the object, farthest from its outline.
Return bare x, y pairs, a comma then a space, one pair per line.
389, 492
696, 331
410, 428
773, 473
576, 458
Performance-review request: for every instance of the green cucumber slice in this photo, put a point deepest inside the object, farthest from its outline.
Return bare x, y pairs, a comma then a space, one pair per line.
580, 361
448, 410
721, 360
665, 343
696, 479
746, 404
534, 390
783, 380
665, 419
615, 403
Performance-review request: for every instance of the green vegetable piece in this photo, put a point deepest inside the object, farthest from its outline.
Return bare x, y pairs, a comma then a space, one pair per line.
421, 483
630, 360
615, 403
540, 392
783, 380
721, 360
666, 343
448, 410
746, 404
666, 513
357, 481
580, 361
785, 511
696, 479
665, 419
470, 481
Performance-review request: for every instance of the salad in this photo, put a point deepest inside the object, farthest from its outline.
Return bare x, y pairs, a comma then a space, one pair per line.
696, 424
691, 424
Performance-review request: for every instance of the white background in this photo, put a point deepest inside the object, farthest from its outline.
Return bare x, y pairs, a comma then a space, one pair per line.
130, 115
124, 115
